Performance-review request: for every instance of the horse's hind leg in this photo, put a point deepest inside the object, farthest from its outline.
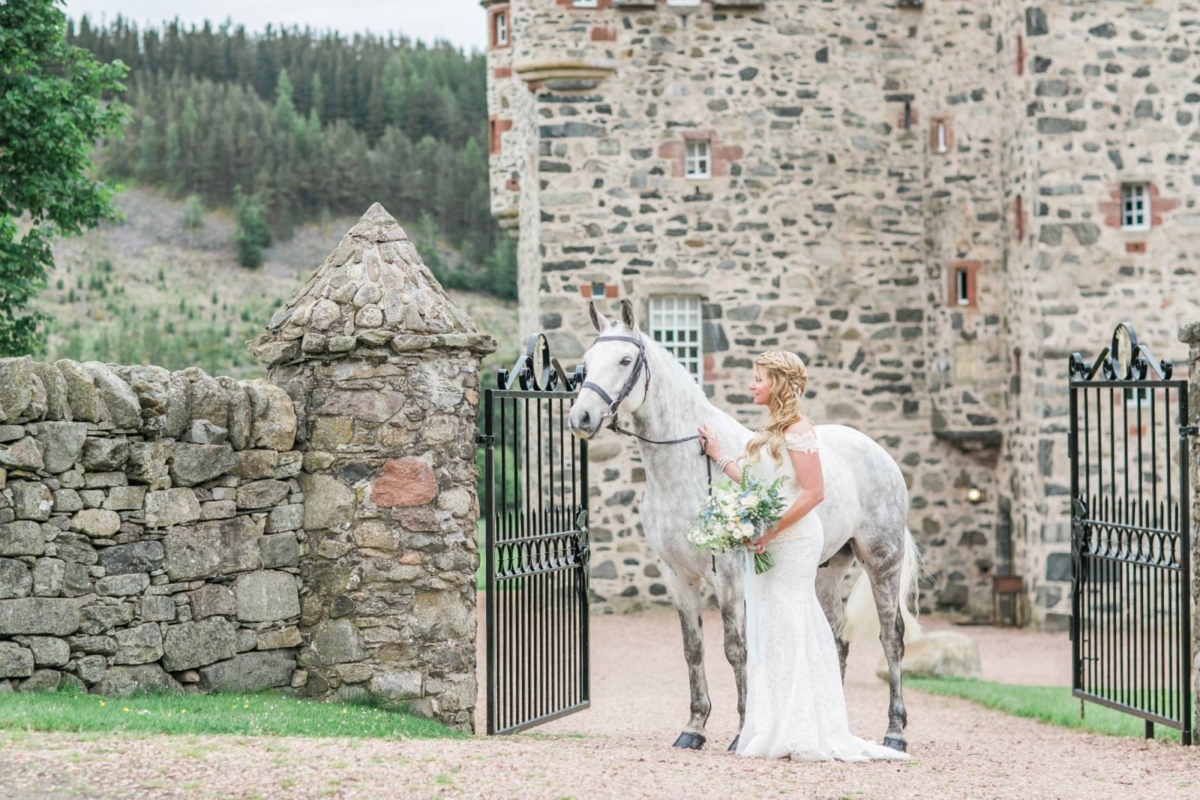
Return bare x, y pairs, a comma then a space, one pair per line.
883, 566
829, 591
686, 595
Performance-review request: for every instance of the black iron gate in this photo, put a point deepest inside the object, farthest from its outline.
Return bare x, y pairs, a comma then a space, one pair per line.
536, 548
1131, 588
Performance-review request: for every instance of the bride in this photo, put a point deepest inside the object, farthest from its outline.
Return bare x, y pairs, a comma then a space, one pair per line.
794, 702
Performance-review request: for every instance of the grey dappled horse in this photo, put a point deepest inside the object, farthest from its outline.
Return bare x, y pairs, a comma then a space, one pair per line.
864, 512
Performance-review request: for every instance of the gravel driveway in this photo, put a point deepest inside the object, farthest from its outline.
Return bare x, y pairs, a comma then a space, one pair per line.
620, 748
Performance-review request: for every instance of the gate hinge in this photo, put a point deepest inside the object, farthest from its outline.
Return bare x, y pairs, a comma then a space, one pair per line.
485, 438
1189, 430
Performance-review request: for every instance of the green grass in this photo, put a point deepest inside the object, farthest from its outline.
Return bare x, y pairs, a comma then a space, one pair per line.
243, 714
510, 585
1050, 704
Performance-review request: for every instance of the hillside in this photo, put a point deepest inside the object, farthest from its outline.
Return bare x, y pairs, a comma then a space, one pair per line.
146, 291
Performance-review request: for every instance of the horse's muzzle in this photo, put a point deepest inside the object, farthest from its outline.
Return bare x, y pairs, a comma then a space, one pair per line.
583, 423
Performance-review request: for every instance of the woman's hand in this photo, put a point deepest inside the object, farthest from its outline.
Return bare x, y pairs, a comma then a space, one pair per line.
712, 445
759, 545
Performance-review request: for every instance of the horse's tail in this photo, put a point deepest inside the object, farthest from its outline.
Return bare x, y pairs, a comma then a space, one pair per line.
860, 621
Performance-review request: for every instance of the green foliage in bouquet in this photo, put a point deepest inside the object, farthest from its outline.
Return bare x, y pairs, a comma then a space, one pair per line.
736, 514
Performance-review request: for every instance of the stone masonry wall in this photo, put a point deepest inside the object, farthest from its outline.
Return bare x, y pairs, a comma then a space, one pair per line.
832, 225
314, 532
386, 371
1107, 95
811, 235
152, 530
1189, 334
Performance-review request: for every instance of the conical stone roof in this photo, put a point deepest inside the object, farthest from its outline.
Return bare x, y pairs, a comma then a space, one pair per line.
372, 291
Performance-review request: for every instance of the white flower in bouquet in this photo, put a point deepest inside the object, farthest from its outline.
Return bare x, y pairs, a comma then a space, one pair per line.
734, 515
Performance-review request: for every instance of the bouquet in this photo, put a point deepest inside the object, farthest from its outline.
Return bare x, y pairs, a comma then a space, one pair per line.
736, 514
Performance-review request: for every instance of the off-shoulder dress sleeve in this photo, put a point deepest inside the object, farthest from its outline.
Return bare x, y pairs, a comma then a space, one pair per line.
802, 442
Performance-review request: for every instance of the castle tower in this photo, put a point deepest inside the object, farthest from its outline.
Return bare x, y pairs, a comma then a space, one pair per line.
892, 190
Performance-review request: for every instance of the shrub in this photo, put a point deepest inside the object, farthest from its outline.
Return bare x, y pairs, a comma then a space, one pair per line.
252, 232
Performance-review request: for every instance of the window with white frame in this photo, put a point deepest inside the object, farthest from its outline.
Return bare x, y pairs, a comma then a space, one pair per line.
1135, 207
941, 144
698, 159
962, 287
501, 28
675, 324
1139, 396
584, 3
683, 2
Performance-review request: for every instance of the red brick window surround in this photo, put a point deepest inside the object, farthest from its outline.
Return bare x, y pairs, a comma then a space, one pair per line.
1130, 199
964, 284
496, 127
941, 136
499, 28
1020, 54
1018, 218
690, 151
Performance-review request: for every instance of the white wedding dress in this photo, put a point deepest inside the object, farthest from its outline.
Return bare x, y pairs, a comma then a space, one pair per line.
795, 707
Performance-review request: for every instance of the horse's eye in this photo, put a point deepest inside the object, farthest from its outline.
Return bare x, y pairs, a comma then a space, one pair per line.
625, 362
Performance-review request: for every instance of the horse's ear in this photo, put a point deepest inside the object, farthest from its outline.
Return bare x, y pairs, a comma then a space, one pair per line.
599, 321
627, 315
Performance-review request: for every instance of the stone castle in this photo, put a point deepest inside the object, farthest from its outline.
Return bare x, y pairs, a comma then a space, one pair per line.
933, 204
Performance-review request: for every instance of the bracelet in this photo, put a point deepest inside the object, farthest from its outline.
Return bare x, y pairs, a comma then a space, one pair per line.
723, 462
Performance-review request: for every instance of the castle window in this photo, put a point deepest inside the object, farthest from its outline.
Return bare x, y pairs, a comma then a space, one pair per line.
584, 3
1137, 397
698, 160
908, 117
683, 2
941, 137
1135, 207
964, 285
675, 324
500, 30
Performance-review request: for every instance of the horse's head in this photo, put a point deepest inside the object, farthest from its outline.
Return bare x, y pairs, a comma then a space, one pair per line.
617, 373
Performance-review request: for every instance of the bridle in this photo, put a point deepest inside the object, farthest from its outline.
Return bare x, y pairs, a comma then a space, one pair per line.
641, 366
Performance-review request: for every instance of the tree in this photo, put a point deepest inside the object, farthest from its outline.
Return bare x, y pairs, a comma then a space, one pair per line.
193, 214
252, 233
52, 111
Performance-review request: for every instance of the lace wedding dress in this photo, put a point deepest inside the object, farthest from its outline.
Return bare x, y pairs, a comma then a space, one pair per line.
795, 707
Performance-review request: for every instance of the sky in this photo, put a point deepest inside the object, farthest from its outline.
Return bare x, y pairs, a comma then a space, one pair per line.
462, 22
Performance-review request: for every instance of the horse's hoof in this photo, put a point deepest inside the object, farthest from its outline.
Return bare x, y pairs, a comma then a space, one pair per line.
895, 744
733, 744
689, 741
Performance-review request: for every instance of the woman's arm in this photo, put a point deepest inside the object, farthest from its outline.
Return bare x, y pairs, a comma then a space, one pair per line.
712, 449
807, 465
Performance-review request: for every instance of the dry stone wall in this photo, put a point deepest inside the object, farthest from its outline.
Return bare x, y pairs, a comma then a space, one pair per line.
314, 532
152, 525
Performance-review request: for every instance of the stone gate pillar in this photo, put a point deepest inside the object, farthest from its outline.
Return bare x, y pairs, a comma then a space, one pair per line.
384, 371
1190, 335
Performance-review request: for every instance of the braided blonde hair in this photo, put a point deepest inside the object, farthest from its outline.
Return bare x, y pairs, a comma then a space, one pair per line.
789, 378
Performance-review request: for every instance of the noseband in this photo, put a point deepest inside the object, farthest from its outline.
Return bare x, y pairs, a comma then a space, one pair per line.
640, 365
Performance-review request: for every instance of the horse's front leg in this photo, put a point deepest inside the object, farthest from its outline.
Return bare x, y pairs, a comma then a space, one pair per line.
686, 594
730, 592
